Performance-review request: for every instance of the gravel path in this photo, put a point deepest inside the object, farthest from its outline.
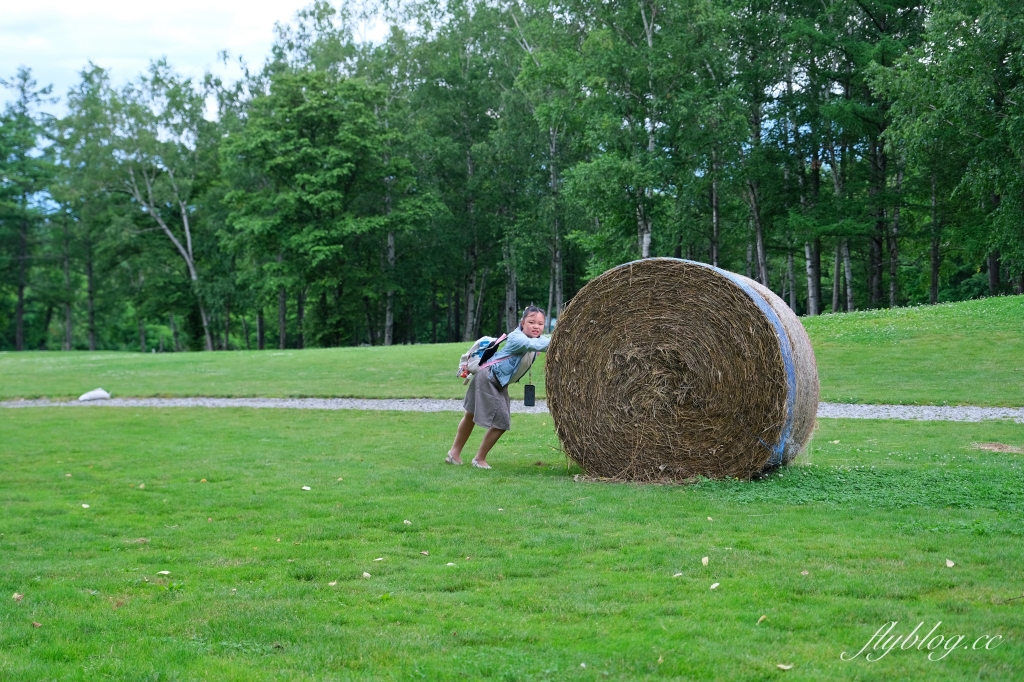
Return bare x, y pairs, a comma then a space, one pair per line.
825, 410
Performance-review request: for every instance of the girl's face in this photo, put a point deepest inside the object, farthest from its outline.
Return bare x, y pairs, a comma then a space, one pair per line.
533, 325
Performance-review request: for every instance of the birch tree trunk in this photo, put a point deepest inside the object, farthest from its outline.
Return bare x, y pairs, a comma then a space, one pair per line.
716, 217
480, 302
389, 311
880, 163
511, 307
556, 265
148, 201
792, 281
227, 324
643, 231
994, 265
933, 290
90, 285
282, 318
300, 315
812, 301
174, 334
848, 267
551, 295
836, 278
762, 256
894, 247
68, 293
469, 321
470, 312
19, 309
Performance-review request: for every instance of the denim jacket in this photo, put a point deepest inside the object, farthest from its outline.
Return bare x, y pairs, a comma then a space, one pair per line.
511, 354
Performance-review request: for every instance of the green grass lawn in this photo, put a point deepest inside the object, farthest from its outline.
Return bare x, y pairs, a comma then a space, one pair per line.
547, 573
962, 353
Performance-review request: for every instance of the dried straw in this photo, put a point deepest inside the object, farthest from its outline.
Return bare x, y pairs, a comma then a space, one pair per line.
669, 369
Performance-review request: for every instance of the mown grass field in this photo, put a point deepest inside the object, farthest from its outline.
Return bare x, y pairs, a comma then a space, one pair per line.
962, 353
549, 573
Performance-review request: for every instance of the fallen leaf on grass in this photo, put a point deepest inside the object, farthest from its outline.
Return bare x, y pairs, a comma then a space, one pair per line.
467, 558
341, 479
804, 573
365, 574
787, 666
714, 586
710, 519
949, 564
704, 561
67, 475
85, 506
407, 522
661, 659
333, 583
380, 558
306, 487
677, 575
425, 553
450, 564
163, 572
36, 625
18, 597
500, 509
762, 619
583, 665
279, 539
209, 519
202, 480
141, 486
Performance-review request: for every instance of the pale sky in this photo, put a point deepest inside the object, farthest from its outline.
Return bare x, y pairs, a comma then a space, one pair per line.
57, 38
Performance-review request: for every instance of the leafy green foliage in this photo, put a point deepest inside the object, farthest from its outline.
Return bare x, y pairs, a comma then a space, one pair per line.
487, 155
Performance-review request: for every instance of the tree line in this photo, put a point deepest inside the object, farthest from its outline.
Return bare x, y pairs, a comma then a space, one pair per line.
848, 154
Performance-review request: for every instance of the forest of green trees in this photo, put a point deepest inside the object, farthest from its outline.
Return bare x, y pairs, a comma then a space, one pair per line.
849, 154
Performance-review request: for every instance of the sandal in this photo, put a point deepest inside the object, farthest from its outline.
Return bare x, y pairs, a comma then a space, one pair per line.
450, 460
479, 465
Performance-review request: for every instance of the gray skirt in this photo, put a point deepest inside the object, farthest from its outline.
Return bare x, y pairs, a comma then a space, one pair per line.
488, 402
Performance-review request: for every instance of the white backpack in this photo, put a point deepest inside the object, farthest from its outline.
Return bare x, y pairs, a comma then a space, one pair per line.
469, 363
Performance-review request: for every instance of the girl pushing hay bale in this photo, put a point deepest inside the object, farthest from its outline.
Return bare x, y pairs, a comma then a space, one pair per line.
487, 401
670, 369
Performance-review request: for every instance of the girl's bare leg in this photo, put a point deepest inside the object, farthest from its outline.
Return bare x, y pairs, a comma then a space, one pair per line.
461, 436
490, 438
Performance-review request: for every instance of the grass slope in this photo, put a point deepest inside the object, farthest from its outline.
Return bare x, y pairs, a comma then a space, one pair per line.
548, 573
961, 353
957, 353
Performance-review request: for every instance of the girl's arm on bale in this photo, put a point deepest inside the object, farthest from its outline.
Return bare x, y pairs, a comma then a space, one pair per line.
519, 343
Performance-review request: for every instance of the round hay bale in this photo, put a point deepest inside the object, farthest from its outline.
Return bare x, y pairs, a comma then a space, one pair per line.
669, 369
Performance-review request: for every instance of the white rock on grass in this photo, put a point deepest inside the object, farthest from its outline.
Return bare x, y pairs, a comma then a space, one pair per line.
95, 394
